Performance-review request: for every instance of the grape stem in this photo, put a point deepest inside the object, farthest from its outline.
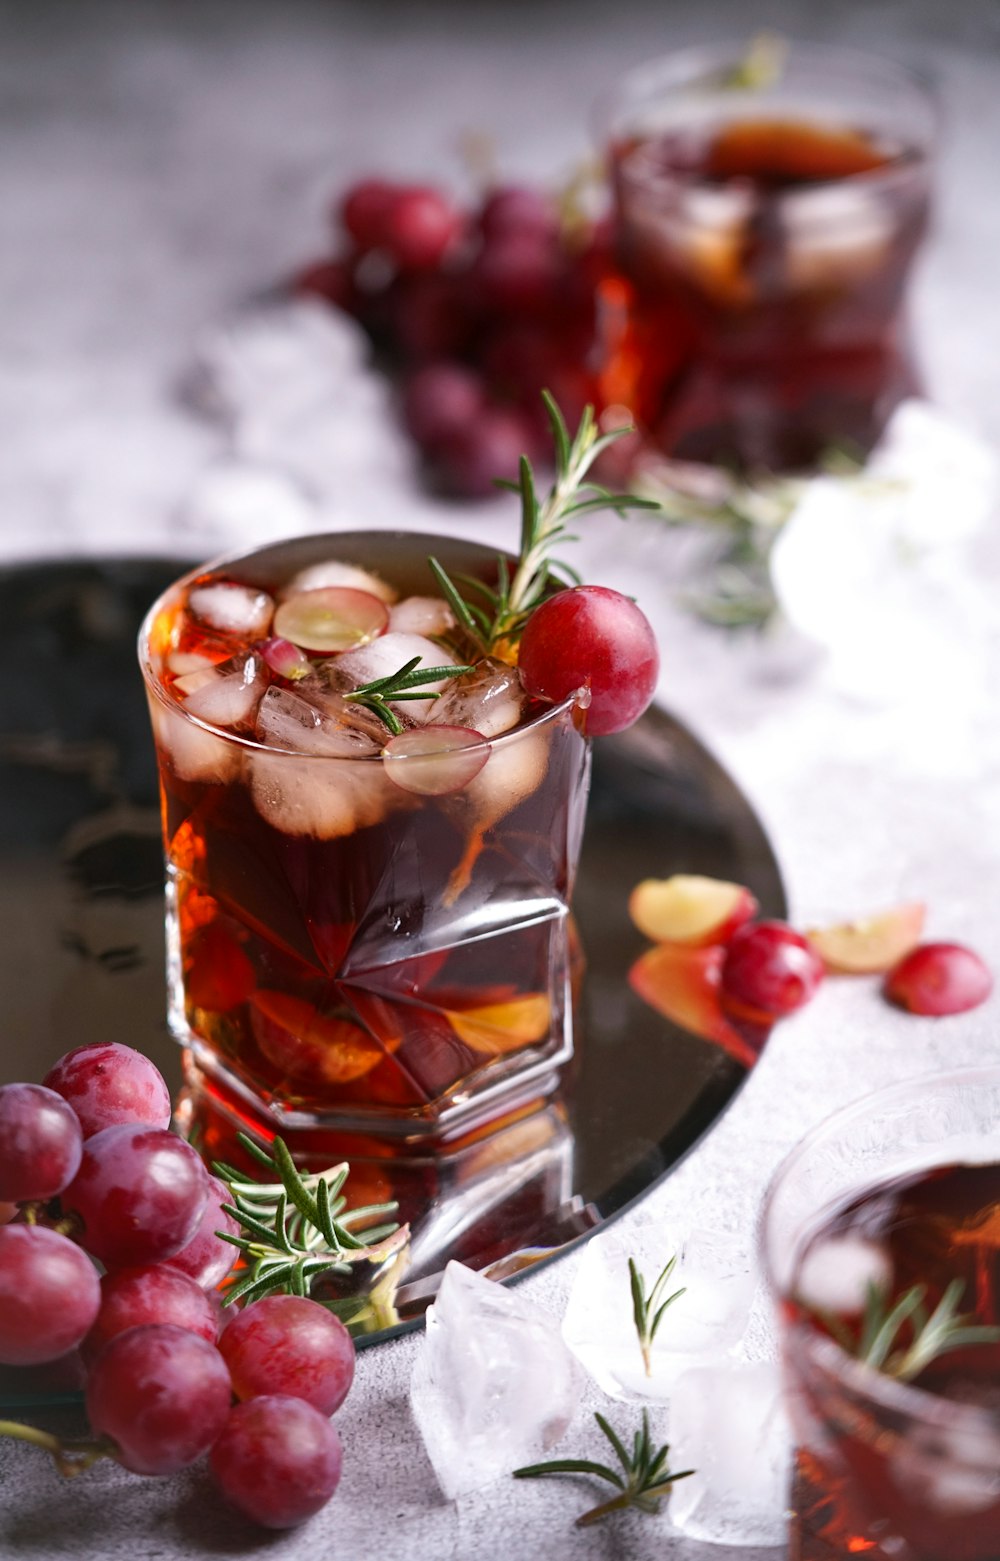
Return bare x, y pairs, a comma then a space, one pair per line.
70, 1458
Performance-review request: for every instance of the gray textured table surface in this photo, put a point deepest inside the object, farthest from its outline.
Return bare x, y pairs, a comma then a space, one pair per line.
159, 162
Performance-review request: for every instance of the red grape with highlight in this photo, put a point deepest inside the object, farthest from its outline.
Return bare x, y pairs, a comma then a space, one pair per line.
155, 1293
770, 969
106, 1083
206, 1258
49, 1295
161, 1394
595, 638
41, 1143
289, 1345
277, 1460
140, 1192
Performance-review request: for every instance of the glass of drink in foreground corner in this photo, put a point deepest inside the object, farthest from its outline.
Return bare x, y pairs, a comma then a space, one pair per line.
360, 939
767, 212
896, 1418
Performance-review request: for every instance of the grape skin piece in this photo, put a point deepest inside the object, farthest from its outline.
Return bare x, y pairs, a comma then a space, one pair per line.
162, 1394
154, 1293
41, 1143
106, 1083
49, 1295
277, 1461
140, 1192
292, 1346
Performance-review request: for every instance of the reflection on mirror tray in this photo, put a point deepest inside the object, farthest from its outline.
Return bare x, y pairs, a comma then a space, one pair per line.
81, 957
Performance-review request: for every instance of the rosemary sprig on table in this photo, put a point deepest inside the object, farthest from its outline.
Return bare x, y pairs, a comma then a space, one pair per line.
648, 1311
880, 1341
494, 617
295, 1228
645, 1478
409, 682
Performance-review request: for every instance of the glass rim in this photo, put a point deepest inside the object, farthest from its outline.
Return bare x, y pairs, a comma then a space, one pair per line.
251, 744
900, 1397
690, 69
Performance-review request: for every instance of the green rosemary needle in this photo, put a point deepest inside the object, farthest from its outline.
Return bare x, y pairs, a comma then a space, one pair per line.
295, 1227
648, 1312
409, 682
643, 1482
879, 1342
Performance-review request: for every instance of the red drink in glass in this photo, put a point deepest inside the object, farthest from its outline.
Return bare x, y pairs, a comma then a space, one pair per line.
347, 953
898, 1468
765, 236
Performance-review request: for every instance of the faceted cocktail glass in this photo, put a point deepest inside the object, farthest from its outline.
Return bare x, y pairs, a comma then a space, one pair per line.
347, 956
765, 227
884, 1468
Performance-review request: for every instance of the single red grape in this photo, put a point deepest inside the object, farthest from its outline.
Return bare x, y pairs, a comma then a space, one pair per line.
107, 1083
420, 227
519, 272
440, 402
364, 211
155, 1293
49, 1295
277, 1460
518, 208
289, 1345
206, 1258
489, 446
140, 1192
41, 1142
162, 1394
770, 969
937, 979
595, 638
428, 315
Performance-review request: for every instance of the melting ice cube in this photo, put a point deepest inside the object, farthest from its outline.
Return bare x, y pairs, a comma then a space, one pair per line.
304, 796
428, 615
835, 1276
232, 608
728, 1423
333, 572
226, 694
386, 655
493, 1387
489, 700
705, 1322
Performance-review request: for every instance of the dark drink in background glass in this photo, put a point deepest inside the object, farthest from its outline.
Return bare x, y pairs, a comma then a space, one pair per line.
765, 236
346, 955
902, 1190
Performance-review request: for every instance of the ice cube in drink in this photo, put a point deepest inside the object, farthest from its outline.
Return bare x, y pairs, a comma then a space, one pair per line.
364, 933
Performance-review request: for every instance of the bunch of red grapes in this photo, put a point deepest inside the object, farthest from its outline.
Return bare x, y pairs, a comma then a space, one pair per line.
475, 312
90, 1174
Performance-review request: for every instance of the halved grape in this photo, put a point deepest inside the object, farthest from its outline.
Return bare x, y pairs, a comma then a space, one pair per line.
333, 618
286, 659
434, 760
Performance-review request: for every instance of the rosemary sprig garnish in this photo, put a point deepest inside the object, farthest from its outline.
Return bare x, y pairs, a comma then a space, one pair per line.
409, 682
644, 1481
501, 613
295, 1227
879, 1343
648, 1311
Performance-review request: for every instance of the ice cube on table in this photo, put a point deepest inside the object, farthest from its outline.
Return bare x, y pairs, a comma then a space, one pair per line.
232, 608
494, 1386
226, 694
427, 615
387, 654
728, 1424
704, 1323
333, 572
489, 699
